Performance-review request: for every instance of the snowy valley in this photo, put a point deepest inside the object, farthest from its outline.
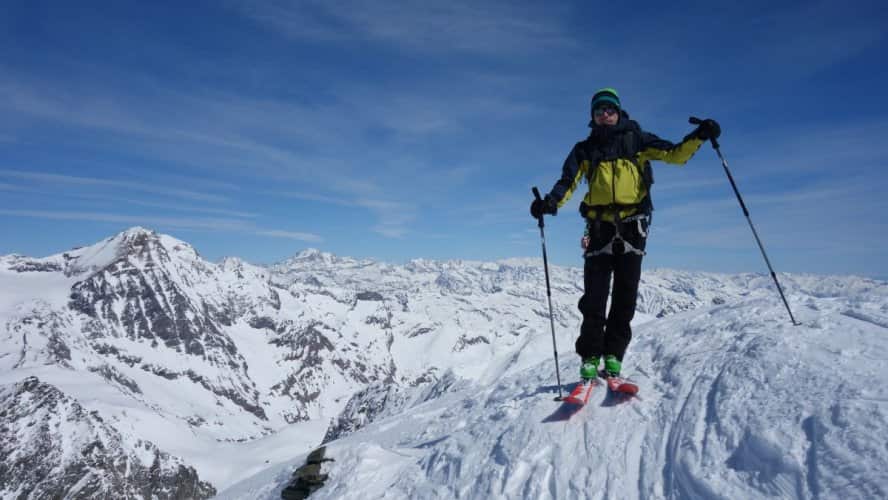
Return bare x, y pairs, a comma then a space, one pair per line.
135, 368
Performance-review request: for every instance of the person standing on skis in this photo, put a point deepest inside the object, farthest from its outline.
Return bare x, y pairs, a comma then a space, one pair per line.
615, 162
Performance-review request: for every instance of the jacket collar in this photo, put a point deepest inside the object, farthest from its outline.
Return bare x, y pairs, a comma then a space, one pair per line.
605, 133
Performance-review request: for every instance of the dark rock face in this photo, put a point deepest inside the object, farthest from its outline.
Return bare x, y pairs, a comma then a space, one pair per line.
382, 399
154, 308
136, 296
365, 407
422, 330
371, 296
21, 264
310, 350
40, 456
308, 347
263, 322
308, 478
114, 376
465, 341
46, 328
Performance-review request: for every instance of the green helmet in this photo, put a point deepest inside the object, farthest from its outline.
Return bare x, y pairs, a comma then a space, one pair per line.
606, 95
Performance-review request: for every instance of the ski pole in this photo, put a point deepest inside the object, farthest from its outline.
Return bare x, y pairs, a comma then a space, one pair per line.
696, 121
536, 193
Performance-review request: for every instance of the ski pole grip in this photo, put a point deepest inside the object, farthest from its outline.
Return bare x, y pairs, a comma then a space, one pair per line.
540, 223
696, 121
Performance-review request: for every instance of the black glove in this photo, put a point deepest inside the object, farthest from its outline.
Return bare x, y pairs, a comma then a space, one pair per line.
708, 129
545, 206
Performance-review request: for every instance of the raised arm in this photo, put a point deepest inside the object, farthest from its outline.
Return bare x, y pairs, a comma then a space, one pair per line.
654, 148
572, 173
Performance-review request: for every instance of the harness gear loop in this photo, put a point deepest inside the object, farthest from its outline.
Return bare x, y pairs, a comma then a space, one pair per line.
617, 245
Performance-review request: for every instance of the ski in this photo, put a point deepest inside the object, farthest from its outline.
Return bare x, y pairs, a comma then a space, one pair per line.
619, 384
581, 392
574, 402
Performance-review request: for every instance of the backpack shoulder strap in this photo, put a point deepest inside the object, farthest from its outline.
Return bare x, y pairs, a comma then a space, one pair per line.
593, 156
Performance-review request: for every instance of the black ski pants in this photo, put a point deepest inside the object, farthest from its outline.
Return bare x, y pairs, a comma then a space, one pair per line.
601, 335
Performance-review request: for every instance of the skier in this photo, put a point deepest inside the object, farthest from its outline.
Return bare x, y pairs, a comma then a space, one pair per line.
615, 161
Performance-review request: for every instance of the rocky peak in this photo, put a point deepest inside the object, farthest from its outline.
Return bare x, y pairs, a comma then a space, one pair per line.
137, 245
313, 258
52, 447
313, 255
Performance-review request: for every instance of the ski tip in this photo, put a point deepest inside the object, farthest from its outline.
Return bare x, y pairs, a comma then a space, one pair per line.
629, 389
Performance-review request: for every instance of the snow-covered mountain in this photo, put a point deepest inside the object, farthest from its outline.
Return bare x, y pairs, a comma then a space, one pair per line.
51, 444
735, 402
222, 370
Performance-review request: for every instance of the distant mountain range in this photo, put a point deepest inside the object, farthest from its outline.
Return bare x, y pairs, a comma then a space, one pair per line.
146, 367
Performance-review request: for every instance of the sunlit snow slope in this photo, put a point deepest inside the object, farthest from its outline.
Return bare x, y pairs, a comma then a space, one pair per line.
735, 402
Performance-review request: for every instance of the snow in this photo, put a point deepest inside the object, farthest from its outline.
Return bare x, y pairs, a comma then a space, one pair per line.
17, 289
735, 402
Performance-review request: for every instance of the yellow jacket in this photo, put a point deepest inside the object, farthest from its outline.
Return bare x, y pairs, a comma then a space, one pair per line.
616, 163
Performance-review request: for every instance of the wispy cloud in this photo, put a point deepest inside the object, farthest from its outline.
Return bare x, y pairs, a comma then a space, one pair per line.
410, 118
822, 33
814, 198
525, 237
192, 223
788, 42
277, 233
432, 108
213, 119
818, 217
93, 181
264, 137
460, 24
140, 220
812, 148
392, 218
685, 186
62, 192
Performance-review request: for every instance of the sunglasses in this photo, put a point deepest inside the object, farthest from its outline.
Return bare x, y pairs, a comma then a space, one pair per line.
604, 110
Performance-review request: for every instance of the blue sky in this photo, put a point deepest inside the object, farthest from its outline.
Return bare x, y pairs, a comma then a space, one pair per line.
398, 130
